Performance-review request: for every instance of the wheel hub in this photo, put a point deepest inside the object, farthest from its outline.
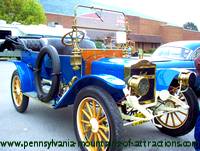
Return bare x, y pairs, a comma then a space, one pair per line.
170, 104
95, 125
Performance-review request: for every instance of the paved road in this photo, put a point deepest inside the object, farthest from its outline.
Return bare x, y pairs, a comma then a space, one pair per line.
41, 123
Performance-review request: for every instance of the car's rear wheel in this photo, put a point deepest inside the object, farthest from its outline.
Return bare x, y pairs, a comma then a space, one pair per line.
20, 101
97, 119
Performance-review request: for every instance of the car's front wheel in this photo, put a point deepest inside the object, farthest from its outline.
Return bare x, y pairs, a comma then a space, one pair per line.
97, 120
180, 122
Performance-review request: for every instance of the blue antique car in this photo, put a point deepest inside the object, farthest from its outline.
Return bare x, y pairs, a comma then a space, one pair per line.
108, 90
179, 55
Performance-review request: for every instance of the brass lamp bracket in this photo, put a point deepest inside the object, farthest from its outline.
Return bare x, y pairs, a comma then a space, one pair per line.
76, 59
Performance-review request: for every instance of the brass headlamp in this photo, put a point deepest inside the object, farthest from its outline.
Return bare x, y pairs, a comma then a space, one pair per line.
139, 85
187, 78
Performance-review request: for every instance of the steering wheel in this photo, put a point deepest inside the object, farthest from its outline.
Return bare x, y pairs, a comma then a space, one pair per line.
72, 34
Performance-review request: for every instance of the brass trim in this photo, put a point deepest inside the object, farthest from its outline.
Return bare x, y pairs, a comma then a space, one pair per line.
74, 78
147, 102
185, 77
142, 64
149, 76
135, 81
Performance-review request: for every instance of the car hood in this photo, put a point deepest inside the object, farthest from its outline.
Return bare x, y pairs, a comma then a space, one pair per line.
112, 66
115, 66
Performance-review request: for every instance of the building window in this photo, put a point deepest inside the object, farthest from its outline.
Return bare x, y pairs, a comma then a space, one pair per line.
52, 24
155, 45
141, 45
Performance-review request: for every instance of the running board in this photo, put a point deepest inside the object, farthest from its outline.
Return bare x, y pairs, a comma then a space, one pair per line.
33, 95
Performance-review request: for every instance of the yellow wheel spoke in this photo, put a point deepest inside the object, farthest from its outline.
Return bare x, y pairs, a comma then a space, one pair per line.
86, 122
90, 138
102, 119
20, 95
177, 117
18, 99
95, 141
94, 108
86, 130
88, 125
86, 114
103, 135
104, 128
100, 140
89, 109
166, 121
182, 113
18, 83
172, 119
99, 137
99, 112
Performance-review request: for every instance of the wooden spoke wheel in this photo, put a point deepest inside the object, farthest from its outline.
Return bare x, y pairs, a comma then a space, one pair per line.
20, 101
92, 122
176, 119
17, 94
181, 122
98, 120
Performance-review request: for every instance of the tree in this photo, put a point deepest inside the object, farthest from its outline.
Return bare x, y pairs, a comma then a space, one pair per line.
190, 26
22, 11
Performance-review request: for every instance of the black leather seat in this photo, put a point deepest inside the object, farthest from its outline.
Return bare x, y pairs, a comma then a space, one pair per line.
37, 44
56, 42
33, 44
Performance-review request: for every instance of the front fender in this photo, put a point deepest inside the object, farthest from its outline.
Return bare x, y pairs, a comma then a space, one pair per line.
114, 86
25, 75
164, 77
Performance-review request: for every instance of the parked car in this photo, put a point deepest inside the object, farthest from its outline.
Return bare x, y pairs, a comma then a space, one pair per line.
179, 55
108, 91
197, 134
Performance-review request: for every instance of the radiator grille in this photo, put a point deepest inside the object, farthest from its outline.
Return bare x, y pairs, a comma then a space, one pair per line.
146, 69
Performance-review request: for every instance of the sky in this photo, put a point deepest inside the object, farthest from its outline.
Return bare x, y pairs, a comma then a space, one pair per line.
174, 12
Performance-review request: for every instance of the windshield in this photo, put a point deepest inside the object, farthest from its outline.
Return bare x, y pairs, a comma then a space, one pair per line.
172, 52
105, 28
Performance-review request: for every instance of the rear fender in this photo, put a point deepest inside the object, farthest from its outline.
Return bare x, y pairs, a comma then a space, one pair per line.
114, 86
26, 76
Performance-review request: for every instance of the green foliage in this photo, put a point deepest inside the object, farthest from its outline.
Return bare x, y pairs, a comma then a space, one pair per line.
190, 26
22, 11
150, 51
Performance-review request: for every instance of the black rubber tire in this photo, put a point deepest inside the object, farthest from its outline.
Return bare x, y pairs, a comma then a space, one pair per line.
191, 120
25, 100
53, 54
111, 110
197, 92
